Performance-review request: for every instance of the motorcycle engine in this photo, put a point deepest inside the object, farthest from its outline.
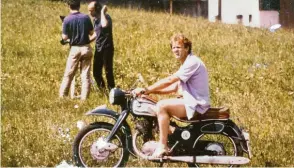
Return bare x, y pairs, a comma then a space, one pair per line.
144, 126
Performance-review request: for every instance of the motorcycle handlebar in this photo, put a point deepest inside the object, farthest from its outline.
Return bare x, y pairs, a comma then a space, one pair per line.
131, 93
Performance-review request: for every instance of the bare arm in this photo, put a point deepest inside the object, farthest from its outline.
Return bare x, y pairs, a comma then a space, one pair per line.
91, 32
170, 89
92, 36
166, 85
64, 37
104, 21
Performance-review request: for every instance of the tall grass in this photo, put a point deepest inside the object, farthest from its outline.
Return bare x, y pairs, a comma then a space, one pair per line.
251, 71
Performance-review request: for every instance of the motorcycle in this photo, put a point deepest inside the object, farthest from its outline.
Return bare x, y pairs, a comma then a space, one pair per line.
211, 138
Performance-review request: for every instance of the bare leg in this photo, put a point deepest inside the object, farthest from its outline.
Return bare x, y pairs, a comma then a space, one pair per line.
163, 122
167, 108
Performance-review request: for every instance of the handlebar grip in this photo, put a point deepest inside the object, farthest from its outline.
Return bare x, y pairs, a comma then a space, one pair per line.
144, 91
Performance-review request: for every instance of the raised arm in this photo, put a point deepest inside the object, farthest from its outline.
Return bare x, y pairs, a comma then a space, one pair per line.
104, 21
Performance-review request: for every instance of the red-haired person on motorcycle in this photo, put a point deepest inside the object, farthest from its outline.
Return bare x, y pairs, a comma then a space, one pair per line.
191, 79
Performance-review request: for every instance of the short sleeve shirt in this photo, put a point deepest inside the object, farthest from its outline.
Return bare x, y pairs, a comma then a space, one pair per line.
194, 82
77, 26
104, 34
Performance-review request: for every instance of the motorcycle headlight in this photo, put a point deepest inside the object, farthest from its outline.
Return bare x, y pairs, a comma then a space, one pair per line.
116, 96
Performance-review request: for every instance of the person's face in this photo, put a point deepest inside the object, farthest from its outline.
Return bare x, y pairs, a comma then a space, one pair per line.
91, 10
179, 51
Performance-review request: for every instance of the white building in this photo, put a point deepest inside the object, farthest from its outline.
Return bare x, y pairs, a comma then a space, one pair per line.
246, 12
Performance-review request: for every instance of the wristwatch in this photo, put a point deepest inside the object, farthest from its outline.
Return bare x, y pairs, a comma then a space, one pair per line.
145, 90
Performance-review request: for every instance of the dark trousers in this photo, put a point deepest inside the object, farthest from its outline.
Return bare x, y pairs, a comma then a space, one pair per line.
104, 58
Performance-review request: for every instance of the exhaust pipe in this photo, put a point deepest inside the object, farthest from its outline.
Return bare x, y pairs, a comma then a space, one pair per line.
231, 160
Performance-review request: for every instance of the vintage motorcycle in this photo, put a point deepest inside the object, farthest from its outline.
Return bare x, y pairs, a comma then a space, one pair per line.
206, 139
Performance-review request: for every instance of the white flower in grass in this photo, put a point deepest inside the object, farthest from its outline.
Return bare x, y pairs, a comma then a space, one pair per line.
81, 124
64, 164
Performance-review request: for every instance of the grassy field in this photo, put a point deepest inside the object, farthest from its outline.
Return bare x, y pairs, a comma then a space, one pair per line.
251, 71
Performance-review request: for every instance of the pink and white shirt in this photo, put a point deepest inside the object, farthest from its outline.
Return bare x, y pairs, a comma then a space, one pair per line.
194, 83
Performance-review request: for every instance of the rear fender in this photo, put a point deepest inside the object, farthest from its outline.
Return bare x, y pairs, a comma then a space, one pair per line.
236, 132
125, 128
233, 130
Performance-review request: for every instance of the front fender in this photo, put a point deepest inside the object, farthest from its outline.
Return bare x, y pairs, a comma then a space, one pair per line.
104, 111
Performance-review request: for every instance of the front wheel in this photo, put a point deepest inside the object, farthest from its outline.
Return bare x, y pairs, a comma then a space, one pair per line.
87, 151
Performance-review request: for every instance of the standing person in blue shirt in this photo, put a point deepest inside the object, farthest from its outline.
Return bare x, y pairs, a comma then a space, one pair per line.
104, 49
77, 28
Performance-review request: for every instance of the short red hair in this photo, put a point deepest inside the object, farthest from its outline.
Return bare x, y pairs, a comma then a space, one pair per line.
181, 39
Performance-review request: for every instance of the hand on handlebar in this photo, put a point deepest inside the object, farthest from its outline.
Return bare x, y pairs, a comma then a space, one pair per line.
139, 91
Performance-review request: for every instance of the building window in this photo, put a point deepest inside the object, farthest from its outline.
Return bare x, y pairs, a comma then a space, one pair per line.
270, 4
240, 19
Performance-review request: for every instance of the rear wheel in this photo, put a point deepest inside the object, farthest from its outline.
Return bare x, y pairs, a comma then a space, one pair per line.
217, 145
85, 149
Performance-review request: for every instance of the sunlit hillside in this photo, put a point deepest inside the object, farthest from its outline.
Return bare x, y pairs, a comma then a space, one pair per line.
250, 70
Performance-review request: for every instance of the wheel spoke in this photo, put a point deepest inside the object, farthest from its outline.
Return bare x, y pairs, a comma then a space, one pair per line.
88, 154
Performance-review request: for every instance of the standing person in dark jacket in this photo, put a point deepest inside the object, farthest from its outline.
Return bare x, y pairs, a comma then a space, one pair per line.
77, 28
104, 49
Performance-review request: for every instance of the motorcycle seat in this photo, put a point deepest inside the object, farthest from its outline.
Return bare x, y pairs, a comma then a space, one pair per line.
213, 113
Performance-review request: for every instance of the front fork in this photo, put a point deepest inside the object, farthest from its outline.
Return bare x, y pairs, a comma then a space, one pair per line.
117, 125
